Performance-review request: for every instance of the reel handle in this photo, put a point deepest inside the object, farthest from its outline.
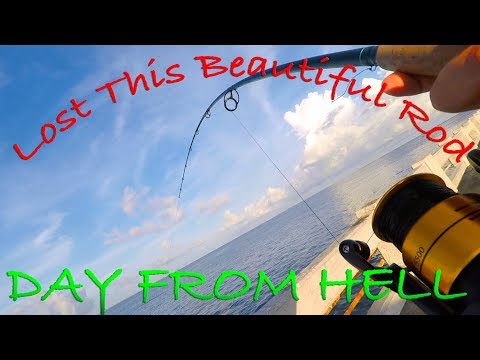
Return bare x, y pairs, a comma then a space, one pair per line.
357, 254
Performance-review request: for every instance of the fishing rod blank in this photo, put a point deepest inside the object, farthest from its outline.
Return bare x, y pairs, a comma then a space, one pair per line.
356, 57
417, 59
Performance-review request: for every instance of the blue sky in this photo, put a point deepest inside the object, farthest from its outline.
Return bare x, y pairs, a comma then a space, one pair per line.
103, 195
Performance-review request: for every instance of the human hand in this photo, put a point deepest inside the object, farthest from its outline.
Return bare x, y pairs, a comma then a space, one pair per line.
456, 88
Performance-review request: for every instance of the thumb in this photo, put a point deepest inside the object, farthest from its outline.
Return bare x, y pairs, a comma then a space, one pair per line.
457, 87
402, 84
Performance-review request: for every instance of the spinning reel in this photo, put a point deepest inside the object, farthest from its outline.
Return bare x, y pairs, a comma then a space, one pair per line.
434, 228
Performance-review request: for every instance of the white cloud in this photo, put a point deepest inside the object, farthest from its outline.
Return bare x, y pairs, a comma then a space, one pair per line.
166, 244
48, 249
46, 235
324, 125
253, 211
344, 132
131, 199
121, 117
43, 253
147, 227
166, 208
166, 214
275, 194
58, 303
55, 254
211, 205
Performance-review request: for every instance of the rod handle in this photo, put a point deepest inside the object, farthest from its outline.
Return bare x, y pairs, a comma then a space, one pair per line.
417, 59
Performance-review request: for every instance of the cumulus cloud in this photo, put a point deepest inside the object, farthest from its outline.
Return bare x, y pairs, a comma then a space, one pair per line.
345, 131
324, 125
259, 208
131, 199
213, 204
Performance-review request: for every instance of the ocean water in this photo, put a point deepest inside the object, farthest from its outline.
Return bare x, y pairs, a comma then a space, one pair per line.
290, 240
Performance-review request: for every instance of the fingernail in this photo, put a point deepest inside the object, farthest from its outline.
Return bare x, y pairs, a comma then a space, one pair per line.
394, 83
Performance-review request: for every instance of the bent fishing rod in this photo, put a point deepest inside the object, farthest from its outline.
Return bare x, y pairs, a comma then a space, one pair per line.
416, 59
430, 224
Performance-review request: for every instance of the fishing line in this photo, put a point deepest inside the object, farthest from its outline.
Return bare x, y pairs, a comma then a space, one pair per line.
365, 56
370, 238
286, 179
371, 68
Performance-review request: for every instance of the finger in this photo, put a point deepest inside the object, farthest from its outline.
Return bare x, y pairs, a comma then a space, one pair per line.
457, 87
401, 84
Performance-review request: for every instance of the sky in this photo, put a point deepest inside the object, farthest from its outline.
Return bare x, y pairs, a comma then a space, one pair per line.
103, 194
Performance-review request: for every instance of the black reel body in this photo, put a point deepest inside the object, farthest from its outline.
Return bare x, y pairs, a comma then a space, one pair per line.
438, 233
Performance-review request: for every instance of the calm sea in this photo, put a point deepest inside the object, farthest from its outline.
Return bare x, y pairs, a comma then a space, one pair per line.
290, 240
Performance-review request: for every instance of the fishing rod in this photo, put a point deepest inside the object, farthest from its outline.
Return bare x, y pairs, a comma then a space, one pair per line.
431, 225
422, 60
434, 227
417, 59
